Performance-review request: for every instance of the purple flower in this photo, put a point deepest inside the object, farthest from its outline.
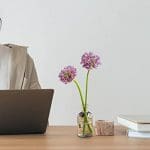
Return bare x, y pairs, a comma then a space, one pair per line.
90, 60
68, 74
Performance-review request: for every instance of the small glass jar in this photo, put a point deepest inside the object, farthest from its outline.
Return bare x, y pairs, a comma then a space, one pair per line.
85, 124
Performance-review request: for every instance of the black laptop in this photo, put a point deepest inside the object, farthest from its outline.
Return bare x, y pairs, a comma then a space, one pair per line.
24, 111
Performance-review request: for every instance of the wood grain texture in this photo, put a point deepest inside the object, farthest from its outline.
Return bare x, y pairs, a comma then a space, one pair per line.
65, 138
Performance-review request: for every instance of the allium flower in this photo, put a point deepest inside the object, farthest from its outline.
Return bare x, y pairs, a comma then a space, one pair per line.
68, 74
90, 60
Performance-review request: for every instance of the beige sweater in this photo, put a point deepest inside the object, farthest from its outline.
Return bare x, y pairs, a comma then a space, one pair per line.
17, 70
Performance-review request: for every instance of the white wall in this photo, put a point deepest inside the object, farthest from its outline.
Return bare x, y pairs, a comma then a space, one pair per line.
59, 31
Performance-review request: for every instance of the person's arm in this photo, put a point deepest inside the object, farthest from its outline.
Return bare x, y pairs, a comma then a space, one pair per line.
34, 83
31, 78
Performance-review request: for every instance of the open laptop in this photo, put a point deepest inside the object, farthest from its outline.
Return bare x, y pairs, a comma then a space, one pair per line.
24, 111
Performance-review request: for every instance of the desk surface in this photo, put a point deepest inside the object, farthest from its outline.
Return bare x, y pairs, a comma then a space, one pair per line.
65, 138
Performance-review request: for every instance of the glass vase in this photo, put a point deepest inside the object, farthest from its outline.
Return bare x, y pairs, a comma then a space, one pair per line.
85, 124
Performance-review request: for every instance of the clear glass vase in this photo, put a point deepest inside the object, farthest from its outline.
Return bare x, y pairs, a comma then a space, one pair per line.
85, 124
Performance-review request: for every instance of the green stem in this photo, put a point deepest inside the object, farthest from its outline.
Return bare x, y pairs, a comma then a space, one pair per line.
81, 95
86, 122
84, 107
86, 89
86, 94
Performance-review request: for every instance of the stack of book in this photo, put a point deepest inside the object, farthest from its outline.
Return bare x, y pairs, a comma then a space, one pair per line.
138, 126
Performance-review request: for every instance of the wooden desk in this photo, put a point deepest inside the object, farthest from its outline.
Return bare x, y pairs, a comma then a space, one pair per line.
65, 138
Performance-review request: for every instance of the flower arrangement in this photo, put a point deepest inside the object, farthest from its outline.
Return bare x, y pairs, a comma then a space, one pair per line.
89, 61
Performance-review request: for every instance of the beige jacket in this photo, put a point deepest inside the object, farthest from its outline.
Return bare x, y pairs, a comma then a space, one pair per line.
21, 71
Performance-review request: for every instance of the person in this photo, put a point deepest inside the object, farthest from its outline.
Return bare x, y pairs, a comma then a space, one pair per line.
17, 69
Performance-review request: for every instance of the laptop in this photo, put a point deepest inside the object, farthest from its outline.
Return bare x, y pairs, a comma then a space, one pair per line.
25, 111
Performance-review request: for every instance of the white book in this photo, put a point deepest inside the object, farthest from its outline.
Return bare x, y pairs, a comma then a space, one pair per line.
135, 122
137, 134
